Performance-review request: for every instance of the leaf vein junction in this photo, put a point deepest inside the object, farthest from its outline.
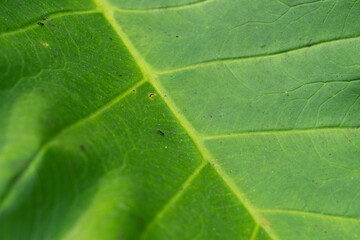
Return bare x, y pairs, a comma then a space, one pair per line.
151, 76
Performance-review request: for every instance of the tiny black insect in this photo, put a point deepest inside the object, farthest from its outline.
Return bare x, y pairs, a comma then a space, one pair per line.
161, 132
41, 24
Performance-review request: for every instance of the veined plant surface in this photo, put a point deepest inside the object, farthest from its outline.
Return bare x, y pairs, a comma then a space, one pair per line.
213, 119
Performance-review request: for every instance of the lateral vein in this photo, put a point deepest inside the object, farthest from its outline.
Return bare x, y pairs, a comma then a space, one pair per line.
56, 14
280, 131
310, 214
172, 8
36, 160
220, 61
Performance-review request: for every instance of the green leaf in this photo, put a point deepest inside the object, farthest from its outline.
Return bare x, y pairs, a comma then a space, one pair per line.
187, 119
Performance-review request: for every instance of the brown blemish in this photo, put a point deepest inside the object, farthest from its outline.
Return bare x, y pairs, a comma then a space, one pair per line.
177, 36
82, 147
265, 223
40, 23
150, 95
134, 90
45, 44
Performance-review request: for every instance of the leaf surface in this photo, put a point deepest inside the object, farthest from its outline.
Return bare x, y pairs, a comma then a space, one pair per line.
180, 119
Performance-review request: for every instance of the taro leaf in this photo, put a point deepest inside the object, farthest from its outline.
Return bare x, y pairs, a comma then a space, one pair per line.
213, 119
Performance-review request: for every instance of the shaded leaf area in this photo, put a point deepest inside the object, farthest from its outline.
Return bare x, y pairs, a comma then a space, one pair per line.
52, 78
180, 120
102, 178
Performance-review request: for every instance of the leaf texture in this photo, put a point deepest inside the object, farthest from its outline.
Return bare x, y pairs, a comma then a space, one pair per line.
214, 119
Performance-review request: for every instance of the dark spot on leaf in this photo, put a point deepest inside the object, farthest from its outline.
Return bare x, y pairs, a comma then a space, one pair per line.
82, 147
177, 36
134, 90
40, 23
120, 75
110, 39
161, 132
150, 95
211, 116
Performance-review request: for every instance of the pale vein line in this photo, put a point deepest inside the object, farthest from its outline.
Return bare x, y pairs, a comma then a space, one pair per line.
36, 160
149, 74
310, 214
170, 8
52, 15
285, 52
346, 81
172, 200
281, 131
255, 232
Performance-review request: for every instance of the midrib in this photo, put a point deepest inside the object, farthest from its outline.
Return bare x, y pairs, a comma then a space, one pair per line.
150, 75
